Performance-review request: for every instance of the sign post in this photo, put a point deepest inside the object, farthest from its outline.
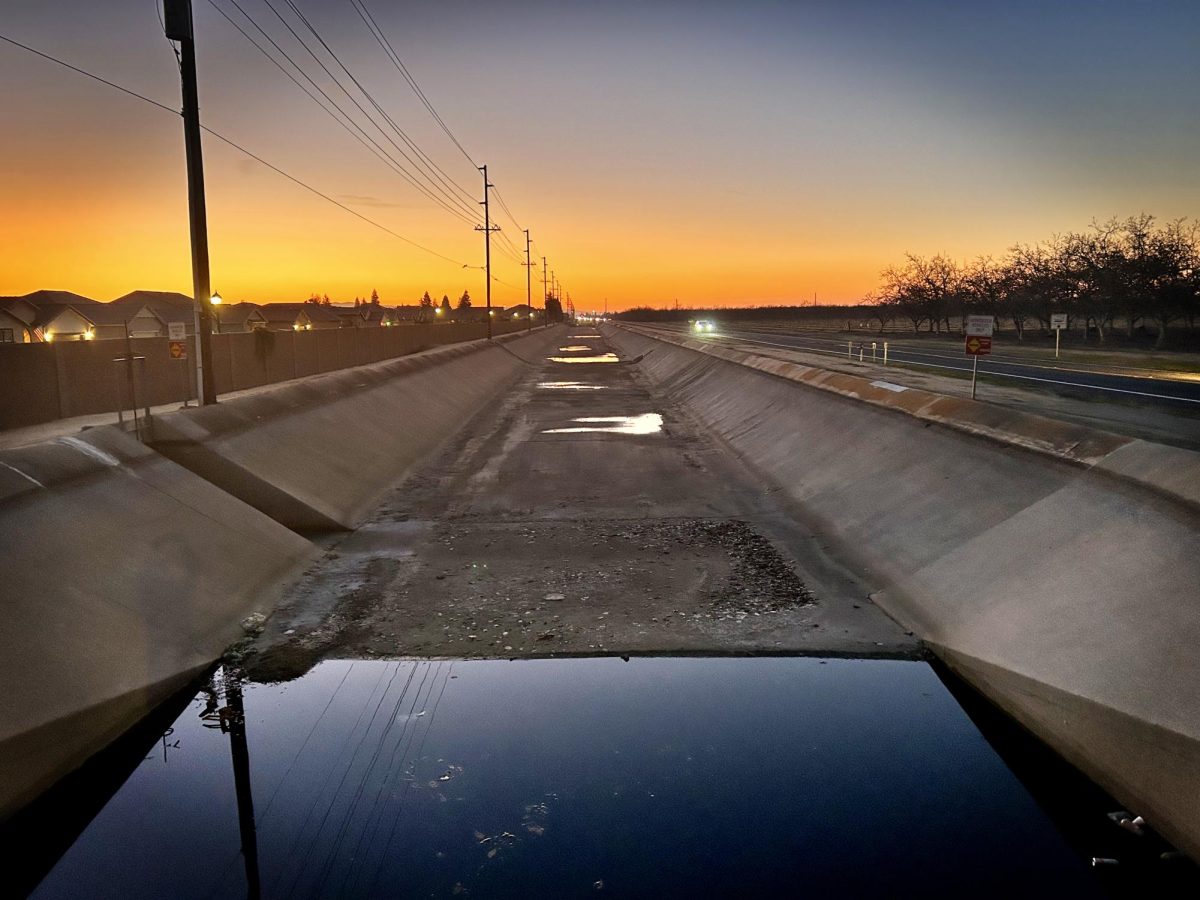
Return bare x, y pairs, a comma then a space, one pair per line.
177, 347
979, 343
1058, 321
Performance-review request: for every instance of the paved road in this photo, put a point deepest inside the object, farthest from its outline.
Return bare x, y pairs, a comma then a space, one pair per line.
1072, 381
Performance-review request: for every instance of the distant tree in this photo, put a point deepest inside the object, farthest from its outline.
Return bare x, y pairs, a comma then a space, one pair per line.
426, 300
445, 307
314, 298
357, 303
374, 297
464, 302
554, 312
325, 301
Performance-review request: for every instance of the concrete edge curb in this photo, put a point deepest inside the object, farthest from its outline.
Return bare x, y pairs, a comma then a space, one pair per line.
215, 421
1170, 471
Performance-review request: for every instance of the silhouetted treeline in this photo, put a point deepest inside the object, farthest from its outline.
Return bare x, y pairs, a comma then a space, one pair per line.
1133, 272
747, 313
1135, 277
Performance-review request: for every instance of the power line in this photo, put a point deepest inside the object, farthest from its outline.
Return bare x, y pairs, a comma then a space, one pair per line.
349, 128
432, 167
111, 84
360, 7
373, 27
361, 136
445, 203
231, 143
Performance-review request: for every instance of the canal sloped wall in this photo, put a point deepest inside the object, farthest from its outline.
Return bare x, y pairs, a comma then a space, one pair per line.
316, 454
1055, 567
125, 574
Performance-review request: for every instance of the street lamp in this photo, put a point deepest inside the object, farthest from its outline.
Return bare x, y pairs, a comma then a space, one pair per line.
216, 300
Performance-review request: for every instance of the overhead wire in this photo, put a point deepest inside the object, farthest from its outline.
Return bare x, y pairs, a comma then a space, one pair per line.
231, 143
444, 200
373, 26
436, 173
344, 120
381, 38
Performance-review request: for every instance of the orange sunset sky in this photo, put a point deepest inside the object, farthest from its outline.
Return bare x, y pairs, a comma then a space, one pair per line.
716, 153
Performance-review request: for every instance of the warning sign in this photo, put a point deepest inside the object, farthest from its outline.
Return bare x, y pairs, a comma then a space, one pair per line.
178, 349
978, 346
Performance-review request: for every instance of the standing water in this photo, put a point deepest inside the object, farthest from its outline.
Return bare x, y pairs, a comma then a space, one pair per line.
575, 778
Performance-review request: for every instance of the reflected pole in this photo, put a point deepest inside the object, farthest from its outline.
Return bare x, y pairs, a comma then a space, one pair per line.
240, 752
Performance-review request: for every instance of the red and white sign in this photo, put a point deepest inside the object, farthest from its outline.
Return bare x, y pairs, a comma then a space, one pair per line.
978, 346
178, 349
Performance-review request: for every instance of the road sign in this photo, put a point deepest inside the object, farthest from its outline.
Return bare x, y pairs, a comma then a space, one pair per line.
178, 349
1058, 321
978, 346
176, 331
980, 326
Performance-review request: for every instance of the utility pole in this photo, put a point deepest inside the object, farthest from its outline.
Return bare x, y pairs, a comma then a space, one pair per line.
528, 282
177, 17
545, 295
487, 230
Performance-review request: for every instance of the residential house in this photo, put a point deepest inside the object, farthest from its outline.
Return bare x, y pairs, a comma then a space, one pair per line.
478, 314
113, 322
299, 316
17, 316
167, 306
48, 307
240, 318
521, 312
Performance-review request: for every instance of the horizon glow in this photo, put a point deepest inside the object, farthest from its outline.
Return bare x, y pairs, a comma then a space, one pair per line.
720, 156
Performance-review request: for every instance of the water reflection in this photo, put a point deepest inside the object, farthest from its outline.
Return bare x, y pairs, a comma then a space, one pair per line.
655, 777
574, 348
646, 423
602, 358
569, 386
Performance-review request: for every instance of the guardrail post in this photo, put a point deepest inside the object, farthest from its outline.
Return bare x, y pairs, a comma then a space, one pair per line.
885, 343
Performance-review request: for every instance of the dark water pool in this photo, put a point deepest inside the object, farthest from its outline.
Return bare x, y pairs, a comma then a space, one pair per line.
576, 778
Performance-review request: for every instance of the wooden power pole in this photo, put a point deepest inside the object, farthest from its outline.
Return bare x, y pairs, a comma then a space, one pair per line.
177, 17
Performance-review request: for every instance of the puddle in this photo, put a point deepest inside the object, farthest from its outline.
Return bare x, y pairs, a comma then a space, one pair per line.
658, 778
581, 337
574, 348
569, 386
603, 358
646, 423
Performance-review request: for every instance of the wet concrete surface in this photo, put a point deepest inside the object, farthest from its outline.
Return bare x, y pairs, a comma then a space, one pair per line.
585, 514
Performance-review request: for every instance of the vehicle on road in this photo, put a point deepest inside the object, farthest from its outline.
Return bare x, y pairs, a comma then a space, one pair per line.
703, 326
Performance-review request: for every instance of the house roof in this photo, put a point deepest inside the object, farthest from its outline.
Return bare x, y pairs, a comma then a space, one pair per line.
109, 314
42, 298
52, 311
169, 306
238, 313
287, 312
19, 308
